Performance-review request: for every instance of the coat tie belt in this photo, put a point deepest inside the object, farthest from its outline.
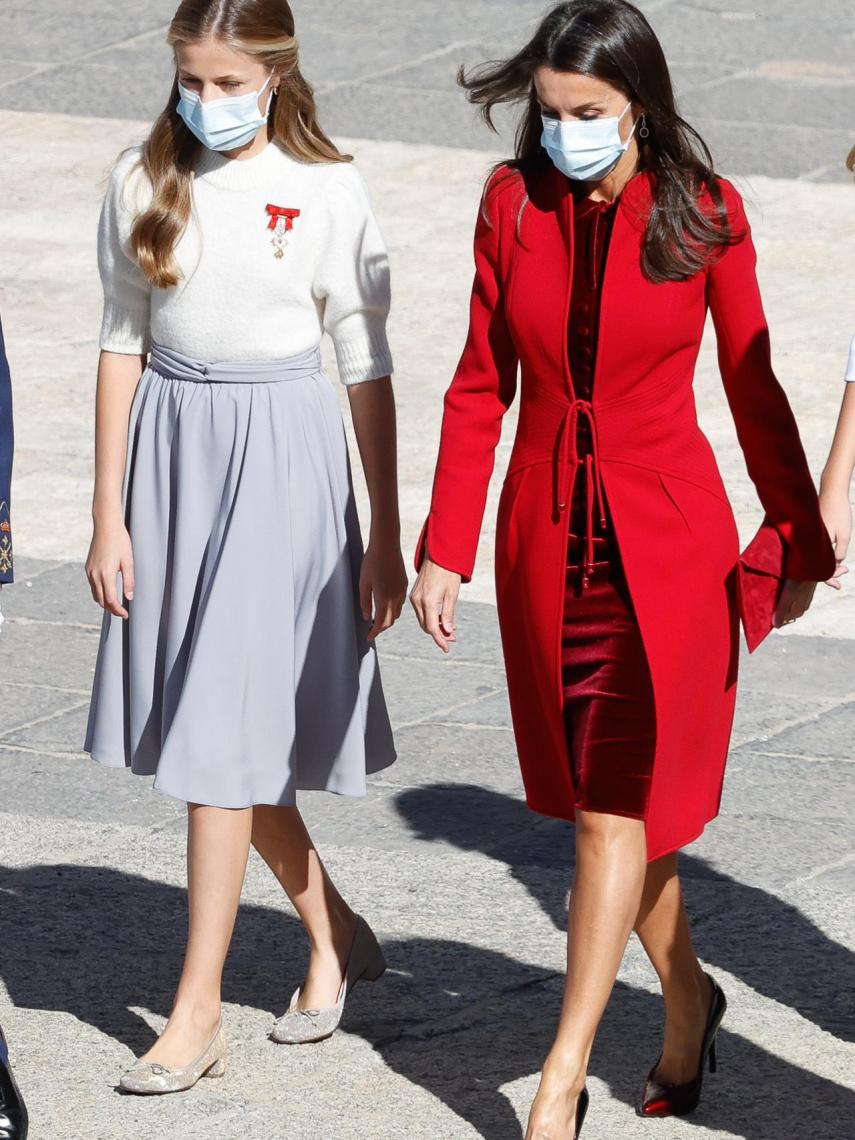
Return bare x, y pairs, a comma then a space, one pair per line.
568, 452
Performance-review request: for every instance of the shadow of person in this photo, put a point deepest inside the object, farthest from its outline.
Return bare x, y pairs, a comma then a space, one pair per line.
95, 943
767, 942
461, 1021
473, 818
475, 1021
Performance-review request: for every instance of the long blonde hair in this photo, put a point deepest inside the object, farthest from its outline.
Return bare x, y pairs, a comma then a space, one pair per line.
264, 29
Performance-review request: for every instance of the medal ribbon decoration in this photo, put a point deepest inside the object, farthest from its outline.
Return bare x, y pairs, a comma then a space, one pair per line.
281, 223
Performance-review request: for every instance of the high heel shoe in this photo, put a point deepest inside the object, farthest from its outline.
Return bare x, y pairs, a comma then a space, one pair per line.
151, 1079
305, 1026
13, 1111
581, 1112
660, 1099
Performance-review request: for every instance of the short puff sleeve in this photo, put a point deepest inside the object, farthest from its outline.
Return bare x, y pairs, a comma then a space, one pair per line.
352, 284
125, 327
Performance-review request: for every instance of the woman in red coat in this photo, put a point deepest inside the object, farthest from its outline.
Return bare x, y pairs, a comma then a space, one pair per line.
599, 252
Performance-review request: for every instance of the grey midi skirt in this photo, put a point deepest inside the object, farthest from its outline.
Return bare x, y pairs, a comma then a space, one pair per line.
243, 673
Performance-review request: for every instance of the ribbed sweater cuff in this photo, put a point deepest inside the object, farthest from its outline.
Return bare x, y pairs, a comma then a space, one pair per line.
364, 358
125, 330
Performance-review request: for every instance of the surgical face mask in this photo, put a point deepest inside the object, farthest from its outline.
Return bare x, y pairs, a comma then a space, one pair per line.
224, 124
585, 150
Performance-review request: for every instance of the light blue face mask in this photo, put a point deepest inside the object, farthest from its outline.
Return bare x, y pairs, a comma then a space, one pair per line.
224, 124
585, 151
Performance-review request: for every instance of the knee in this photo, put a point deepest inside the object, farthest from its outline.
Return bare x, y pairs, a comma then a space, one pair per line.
602, 835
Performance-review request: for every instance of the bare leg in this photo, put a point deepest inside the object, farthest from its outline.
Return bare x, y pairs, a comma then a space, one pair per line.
280, 837
663, 927
217, 851
611, 856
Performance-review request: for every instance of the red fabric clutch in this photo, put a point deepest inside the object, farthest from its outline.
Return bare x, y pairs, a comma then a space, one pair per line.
759, 581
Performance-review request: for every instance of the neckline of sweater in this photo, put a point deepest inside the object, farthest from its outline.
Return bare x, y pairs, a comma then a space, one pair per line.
240, 173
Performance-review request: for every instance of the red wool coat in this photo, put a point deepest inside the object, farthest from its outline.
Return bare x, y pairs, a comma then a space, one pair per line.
673, 523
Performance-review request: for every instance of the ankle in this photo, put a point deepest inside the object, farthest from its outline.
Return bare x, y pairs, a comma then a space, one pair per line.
337, 939
567, 1068
196, 1011
686, 990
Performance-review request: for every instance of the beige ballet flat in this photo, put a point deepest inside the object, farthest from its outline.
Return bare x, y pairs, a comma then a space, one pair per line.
305, 1026
150, 1079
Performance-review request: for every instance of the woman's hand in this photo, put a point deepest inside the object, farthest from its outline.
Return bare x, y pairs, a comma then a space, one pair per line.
434, 598
795, 600
110, 555
837, 516
382, 586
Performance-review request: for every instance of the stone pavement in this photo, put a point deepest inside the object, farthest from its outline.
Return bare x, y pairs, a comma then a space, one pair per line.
465, 887
767, 82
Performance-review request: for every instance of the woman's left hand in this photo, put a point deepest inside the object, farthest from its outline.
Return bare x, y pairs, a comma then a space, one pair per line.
382, 586
795, 600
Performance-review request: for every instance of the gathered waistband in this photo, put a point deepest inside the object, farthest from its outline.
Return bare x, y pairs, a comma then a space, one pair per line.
176, 366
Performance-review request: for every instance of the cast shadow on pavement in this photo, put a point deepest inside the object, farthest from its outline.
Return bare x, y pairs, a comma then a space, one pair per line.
765, 941
778, 952
458, 1020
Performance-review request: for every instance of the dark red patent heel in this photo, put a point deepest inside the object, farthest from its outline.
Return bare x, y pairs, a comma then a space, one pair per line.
661, 1099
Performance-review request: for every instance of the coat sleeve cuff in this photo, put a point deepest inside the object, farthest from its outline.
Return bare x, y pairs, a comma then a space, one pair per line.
763, 567
427, 547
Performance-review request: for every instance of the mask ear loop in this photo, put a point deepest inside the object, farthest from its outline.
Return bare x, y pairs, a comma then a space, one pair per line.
270, 97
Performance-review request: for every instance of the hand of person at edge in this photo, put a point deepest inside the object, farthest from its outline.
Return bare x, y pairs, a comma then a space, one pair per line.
837, 516
434, 598
382, 586
795, 600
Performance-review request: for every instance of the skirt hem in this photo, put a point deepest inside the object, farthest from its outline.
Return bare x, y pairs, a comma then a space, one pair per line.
351, 792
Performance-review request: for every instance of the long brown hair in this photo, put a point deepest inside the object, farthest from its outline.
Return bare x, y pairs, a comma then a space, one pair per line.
611, 40
850, 161
264, 29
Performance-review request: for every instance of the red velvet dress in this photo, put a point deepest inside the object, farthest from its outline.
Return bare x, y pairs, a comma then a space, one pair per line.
609, 708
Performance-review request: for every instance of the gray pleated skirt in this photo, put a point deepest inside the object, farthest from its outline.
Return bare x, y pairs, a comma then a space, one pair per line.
243, 673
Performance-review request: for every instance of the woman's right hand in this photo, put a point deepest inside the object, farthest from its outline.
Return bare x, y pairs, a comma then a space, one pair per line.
837, 516
111, 554
434, 598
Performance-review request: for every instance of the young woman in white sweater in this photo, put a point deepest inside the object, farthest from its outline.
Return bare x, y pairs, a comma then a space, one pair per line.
237, 662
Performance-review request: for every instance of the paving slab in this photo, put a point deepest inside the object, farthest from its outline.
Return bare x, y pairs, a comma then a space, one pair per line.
831, 734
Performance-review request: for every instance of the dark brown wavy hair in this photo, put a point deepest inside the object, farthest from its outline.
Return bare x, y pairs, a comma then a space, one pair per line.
611, 40
264, 29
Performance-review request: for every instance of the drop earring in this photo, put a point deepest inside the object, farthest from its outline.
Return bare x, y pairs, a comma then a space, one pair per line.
644, 130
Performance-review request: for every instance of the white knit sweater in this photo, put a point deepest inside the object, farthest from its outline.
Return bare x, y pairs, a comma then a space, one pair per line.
237, 300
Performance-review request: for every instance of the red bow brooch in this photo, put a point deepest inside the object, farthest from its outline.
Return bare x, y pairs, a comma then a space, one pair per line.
282, 223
